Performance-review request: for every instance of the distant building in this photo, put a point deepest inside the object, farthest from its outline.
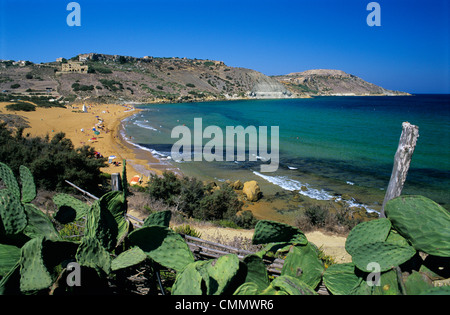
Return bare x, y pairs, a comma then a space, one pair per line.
60, 59
74, 66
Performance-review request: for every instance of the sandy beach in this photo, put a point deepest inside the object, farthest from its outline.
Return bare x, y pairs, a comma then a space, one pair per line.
78, 127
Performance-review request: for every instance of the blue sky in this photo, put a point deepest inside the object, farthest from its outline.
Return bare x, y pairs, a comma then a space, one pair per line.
408, 52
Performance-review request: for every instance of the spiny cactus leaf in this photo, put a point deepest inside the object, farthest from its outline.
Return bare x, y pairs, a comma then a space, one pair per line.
115, 203
340, 278
444, 290
417, 282
39, 224
163, 246
267, 231
388, 284
386, 255
161, 218
9, 256
101, 224
367, 232
128, 258
8, 178
69, 208
303, 263
256, 271
422, 222
220, 273
288, 285
34, 275
10, 283
190, 281
12, 213
28, 185
92, 254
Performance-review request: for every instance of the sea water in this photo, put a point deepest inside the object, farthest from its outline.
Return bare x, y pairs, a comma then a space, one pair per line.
330, 147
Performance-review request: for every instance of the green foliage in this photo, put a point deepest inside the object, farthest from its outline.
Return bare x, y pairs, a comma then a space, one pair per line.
51, 161
270, 232
162, 245
33, 257
26, 107
423, 222
196, 200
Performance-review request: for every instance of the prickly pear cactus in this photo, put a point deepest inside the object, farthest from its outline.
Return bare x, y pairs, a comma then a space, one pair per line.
8, 178
163, 246
161, 218
340, 278
220, 273
303, 263
270, 232
39, 224
287, 285
256, 271
34, 275
69, 208
190, 281
366, 233
247, 288
421, 221
128, 258
92, 254
386, 255
28, 185
12, 213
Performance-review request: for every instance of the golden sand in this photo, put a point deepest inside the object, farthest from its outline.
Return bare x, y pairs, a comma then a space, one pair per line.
71, 120
78, 127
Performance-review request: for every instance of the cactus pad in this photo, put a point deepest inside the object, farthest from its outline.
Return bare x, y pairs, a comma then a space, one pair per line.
421, 221
163, 246
303, 263
385, 254
270, 231
28, 186
34, 275
161, 218
12, 213
367, 232
340, 278
128, 258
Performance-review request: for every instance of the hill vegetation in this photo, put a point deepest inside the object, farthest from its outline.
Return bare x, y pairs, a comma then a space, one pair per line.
118, 79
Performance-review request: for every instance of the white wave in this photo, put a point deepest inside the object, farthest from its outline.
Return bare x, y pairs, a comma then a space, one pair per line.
292, 168
143, 125
291, 185
350, 183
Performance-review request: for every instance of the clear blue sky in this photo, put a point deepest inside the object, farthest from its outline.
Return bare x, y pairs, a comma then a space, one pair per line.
408, 52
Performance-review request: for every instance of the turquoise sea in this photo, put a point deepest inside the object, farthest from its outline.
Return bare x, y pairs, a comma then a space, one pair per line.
333, 146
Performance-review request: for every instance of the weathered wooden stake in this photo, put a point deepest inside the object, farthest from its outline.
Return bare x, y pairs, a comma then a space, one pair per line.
115, 182
402, 160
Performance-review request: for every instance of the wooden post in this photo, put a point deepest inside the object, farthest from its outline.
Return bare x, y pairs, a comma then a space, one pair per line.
115, 182
402, 160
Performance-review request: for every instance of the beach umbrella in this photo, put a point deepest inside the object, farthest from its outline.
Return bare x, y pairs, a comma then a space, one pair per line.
96, 133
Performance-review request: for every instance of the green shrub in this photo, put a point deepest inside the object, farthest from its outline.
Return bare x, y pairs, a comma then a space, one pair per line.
190, 85
26, 107
15, 86
51, 160
193, 198
220, 204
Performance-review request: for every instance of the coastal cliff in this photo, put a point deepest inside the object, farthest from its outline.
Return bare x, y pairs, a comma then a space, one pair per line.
119, 79
331, 82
